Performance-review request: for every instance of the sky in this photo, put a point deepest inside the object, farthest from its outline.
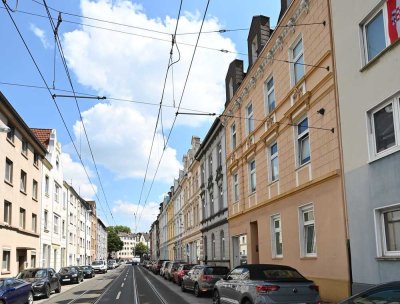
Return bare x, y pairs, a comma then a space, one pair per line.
126, 60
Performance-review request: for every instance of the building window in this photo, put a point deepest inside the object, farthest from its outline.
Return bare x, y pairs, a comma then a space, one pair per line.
249, 118
11, 133
33, 261
252, 176
274, 162
34, 222
276, 236
211, 204
235, 181
307, 231
46, 220
57, 163
303, 142
46, 185
9, 171
222, 237
56, 224
7, 212
269, 95
296, 58
57, 190
35, 190
210, 165
219, 158
388, 221
5, 267
24, 147
220, 198
36, 159
23, 179
22, 218
63, 228
384, 128
213, 246
233, 136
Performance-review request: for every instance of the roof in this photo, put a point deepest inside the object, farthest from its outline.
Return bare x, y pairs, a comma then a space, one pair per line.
43, 135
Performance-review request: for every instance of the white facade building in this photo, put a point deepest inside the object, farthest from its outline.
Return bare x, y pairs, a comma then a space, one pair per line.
130, 241
101, 240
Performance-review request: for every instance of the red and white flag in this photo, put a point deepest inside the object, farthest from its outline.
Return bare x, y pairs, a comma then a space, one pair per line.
393, 7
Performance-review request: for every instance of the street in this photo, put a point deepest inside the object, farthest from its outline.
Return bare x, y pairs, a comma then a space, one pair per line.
126, 284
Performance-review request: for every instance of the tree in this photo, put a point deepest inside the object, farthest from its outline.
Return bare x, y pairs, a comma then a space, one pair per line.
141, 249
113, 241
123, 229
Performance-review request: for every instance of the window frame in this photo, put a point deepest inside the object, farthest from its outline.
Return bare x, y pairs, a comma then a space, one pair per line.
11, 133
373, 153
272, 158
380, 231
7, 269
268, 93
275, 218
252, 172
249, 118
34, 222
233, 136
22, 218
35, 186
235, 182
23, 181
8, 174
56, 224
46, 220
294, 59
222, 238
8, 213
24, 147
302, 230
300, 138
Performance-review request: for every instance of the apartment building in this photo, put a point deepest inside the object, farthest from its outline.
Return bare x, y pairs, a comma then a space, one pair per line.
155, 239
163, 229
367, 52
170, 226
101, 240
21, 155
284, 177
93, 229
191, 207
53, 232
177, 195
130, 241
214, 223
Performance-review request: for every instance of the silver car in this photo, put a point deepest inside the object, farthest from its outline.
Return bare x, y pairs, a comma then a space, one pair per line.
265, 284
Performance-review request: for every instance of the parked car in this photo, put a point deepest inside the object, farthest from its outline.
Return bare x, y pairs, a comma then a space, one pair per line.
14, 291
157, 266
99, 266
264, 284
164, 266
72, 274
44, 280
182, 270
382, 293
202, 278
169, 272
88, 271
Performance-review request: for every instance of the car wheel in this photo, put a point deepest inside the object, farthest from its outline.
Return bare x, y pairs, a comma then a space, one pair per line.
58, 289
216, 299
30, 298
183, 287
197, 291
47, 291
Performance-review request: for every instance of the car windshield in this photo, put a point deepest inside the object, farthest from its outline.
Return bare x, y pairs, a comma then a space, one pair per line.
32, 274
276, 274
97, 263
66, 270
86, 267
216, 270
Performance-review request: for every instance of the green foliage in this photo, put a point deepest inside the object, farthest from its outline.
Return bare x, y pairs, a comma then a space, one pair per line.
113, 241
123, 229
141, 249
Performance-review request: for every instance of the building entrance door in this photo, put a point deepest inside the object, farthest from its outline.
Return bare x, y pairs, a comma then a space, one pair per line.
255, 257
21, 260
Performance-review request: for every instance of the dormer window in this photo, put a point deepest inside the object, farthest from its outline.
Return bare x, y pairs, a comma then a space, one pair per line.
254, 49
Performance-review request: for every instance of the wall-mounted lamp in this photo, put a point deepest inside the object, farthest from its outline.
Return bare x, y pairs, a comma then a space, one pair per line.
321, 111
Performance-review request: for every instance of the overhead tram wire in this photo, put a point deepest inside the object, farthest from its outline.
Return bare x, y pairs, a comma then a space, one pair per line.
170, 64
180, 102
60, 49
58, 109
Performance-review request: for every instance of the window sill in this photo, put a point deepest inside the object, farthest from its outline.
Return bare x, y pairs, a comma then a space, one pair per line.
35, 199
11, 142
8, 183
314, 257
277, 258
273, 182
5, 272
36, 166
252, 193
46, 230
303, 165
388, 258
24, 155
377, 57
384, 154
23, 192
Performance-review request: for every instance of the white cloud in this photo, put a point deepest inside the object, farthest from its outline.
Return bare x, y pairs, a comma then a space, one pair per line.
41, 34
145, 216
75, 175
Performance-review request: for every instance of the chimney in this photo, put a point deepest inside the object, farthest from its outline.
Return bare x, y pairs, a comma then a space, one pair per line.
233, 79
258, 36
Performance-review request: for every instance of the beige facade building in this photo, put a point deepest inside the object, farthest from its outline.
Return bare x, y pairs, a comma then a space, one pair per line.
284, 177
21, 155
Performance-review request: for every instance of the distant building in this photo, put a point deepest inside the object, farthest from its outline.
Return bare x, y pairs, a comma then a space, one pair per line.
130, 241
101, 240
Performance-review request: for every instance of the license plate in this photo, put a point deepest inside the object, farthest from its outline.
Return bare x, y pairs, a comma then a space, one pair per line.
64, 280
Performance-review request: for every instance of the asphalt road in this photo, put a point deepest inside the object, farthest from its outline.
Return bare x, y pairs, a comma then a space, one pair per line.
126, 284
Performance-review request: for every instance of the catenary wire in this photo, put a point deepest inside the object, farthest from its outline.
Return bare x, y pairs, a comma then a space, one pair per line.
58, 109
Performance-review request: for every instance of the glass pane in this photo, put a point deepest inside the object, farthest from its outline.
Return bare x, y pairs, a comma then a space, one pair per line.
249, 110
302, 126
298, 49
299, 69
270, 84
309, 238
384, 128
274, 149
392, 230
375, 34
304, 147
271, 101
278, 243
274, 168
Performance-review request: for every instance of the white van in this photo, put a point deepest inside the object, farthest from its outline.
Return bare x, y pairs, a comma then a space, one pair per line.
99, 266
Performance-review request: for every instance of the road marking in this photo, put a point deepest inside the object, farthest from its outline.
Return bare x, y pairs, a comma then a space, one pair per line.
122, 285
108, 287
118, 295
154, 289
136, 298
